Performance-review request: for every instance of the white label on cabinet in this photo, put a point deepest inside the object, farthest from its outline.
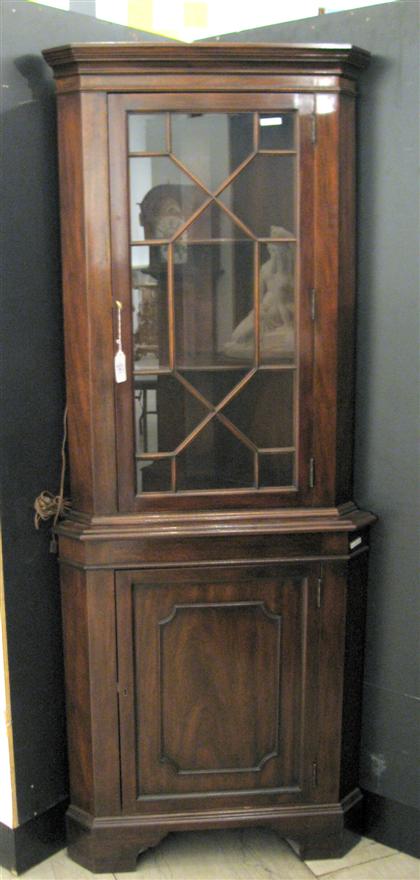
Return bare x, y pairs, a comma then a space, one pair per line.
355, 543
120, 367
119, 359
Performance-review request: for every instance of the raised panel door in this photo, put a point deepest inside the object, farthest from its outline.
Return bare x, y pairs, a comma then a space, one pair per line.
215, 681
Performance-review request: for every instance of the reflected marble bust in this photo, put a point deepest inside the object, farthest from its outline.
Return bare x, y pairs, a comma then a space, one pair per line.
276, 306
163, 210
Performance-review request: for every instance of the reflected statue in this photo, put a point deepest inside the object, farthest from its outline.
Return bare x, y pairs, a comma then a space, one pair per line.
276, 306
163, 210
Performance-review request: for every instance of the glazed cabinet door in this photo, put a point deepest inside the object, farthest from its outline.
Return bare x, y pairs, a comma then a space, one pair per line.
217, 671
212, 254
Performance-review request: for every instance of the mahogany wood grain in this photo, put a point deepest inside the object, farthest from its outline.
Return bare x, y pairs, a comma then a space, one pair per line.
123, 65
78, 697
102, 846
91, 688
113, 843
330, 681
207, 661
83, 146
73, 261
326, 231
346, 316
213, 639
305, 284
329, 181
167, 80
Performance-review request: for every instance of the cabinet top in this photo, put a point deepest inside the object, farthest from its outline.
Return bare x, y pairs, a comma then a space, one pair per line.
312, 58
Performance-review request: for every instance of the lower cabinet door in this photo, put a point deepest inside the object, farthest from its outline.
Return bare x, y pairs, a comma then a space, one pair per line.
217, 682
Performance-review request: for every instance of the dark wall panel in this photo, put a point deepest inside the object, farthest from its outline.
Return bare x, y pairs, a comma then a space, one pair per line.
33, 386
387, 424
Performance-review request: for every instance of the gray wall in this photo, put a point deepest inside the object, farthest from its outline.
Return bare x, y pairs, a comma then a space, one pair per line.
387, 424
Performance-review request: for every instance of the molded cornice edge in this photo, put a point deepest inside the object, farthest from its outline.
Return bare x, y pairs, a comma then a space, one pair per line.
284, 57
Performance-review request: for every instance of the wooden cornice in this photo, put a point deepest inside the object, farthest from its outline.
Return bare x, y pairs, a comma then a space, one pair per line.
106, 58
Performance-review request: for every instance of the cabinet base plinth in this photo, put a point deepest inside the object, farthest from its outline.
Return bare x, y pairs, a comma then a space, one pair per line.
109, 846
331, 847
113, 844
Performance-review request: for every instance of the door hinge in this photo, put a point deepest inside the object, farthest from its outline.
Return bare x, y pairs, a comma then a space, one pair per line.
311, 473
319, 586
313, 304
313, 128
319, 593
314, 774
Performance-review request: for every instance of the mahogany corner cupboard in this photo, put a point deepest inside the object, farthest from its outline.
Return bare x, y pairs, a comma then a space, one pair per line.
214, 563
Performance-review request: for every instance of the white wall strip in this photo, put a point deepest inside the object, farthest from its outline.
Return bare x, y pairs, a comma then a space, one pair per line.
7, 786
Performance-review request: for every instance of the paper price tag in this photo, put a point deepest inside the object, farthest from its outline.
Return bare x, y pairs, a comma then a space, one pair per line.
120, 367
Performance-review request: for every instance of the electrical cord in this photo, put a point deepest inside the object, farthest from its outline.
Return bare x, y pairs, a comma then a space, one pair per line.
47, 505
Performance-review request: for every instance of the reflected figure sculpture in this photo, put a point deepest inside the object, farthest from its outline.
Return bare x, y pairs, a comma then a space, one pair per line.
276, 306
162, 211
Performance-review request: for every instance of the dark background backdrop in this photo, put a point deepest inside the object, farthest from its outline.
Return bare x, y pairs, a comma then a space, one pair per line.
386, 456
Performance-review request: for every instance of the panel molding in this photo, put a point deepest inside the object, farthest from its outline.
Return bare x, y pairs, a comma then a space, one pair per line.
258, 765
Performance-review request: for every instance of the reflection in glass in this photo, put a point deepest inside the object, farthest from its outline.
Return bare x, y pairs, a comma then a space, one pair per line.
276, 291
214, 223
150, 308
213, 292
263, 195
204, 311
212, 145
276, 469
215, 459
162, 197
276, 131
166, 413
263, 410
214, 385
277, 306
147, 133
154, 476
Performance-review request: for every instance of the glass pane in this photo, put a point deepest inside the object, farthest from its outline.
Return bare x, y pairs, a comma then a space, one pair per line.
212, 145
147, 133
216, 459
154, 476
277, 302
162, 197
214, 385
263, 409
276, 131
276, 470
166, 413
263, 196
150, 308
213, 294
214, 223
